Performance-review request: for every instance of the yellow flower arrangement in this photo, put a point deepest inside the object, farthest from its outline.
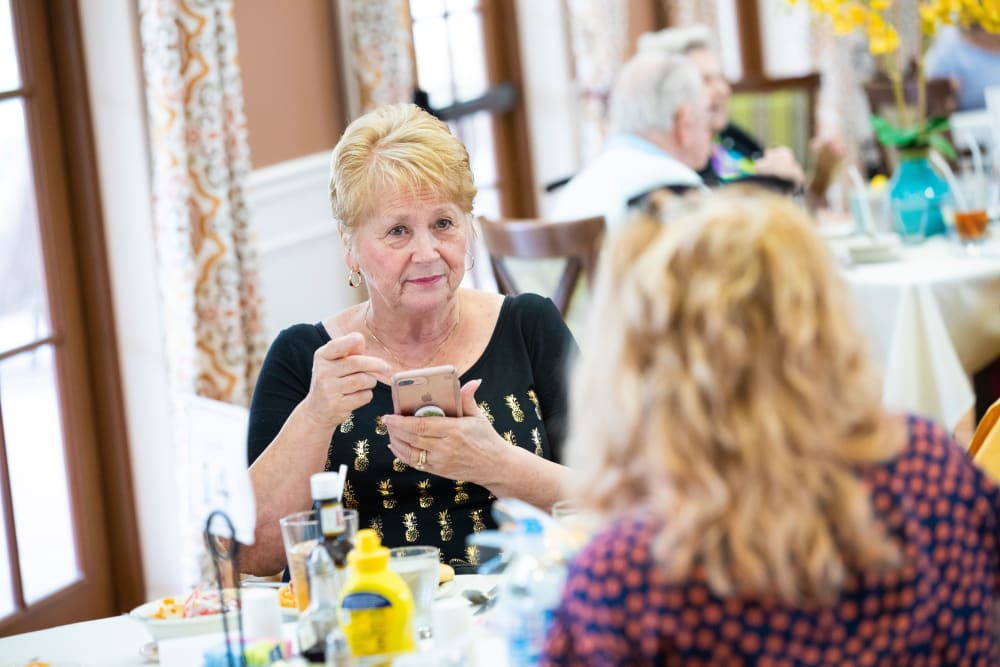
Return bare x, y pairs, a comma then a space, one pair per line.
873, 17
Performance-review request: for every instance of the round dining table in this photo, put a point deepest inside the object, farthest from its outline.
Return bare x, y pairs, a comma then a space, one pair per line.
931, 317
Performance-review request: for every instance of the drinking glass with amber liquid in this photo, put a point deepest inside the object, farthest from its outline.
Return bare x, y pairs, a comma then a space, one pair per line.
965, 212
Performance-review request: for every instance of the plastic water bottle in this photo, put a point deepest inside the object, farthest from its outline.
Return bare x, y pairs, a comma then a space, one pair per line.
528, 595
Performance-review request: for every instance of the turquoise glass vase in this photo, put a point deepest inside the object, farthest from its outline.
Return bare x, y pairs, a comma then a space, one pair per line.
916, 193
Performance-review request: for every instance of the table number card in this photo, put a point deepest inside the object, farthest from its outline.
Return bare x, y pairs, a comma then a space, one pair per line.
218, 477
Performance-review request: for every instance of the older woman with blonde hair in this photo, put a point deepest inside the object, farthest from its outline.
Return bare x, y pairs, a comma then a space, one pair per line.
402, 191
762, 507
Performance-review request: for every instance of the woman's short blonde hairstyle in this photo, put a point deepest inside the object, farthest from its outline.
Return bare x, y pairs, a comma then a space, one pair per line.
728, 398
396, 149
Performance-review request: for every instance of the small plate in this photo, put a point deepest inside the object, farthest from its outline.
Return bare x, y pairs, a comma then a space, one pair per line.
446, 590
837, 230
869, 250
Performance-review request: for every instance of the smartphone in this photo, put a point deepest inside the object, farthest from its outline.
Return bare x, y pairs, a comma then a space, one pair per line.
427, 392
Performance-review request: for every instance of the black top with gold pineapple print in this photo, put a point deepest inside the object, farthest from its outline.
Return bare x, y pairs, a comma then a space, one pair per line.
523, 394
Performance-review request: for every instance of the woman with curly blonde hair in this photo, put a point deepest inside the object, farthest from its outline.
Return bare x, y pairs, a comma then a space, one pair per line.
762, 506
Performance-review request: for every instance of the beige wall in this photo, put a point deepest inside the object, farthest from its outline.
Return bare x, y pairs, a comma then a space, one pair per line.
291, 78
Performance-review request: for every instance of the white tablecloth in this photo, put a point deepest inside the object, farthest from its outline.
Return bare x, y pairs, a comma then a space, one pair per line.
115, 642
932, 319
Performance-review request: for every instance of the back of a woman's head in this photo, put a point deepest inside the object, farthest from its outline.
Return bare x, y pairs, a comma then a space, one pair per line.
396, 149
735, 398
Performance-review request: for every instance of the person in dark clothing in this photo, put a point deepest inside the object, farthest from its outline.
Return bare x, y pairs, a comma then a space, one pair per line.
401, 190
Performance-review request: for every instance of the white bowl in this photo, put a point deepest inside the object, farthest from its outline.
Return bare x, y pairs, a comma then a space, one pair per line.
170, 628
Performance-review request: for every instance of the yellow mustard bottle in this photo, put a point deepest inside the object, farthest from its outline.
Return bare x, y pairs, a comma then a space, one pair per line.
376, 606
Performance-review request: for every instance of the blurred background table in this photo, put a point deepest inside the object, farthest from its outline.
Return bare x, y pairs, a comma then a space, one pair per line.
932, 319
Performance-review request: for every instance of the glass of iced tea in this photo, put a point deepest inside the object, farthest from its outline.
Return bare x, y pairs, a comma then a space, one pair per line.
966, 216
300, 532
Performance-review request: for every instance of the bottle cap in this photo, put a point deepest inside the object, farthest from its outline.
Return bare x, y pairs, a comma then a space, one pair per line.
368, 553
326, 485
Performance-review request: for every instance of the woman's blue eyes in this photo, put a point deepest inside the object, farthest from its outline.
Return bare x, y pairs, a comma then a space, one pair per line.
443, 223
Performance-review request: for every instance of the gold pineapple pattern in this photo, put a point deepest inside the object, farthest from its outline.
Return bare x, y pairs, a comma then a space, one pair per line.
424, 489
533, 397
350, 500
509, 437
348, 424
477, 520
461, 495
410, 523
485, 407
376, 525
447, 532
385, 489
380, 428
515, 408
472, 554
361, 455
536, 440
398, 465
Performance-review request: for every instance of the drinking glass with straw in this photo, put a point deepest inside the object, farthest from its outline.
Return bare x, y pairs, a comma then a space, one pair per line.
964, 211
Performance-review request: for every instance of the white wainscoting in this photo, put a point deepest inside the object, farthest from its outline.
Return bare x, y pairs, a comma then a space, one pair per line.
303, 277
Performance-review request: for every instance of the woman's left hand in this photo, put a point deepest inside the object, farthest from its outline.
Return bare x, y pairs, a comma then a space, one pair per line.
466, 448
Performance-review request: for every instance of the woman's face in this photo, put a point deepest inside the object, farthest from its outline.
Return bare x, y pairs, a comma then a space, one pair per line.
716, 85
412, 251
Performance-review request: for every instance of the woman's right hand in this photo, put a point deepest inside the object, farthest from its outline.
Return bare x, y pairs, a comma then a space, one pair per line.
342, 380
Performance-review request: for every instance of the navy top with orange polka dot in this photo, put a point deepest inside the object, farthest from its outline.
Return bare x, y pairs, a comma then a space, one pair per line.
939, 609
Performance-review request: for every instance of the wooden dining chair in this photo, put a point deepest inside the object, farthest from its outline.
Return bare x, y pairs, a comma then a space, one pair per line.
985, 446
576, 241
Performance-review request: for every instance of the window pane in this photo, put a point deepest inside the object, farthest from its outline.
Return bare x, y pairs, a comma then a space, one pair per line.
476, 132
462, 5
421, 9
487, 202
729, 39
430, 44
785, 37
32, 424
23, 302
466, 32
9, 77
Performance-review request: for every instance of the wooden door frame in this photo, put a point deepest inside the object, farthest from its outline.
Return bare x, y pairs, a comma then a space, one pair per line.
98, 306
511, 134
68, 194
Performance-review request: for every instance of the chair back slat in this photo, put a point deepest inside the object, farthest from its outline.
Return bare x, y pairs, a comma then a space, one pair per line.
576, 241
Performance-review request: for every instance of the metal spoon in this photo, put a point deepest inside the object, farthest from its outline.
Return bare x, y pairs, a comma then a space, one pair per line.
482, 601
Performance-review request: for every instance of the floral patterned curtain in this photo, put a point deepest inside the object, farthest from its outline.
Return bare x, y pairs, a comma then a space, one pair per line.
381, 51
598, 32
207, 264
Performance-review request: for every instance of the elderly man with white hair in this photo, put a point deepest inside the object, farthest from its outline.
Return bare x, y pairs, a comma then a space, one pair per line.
736, 154
659, 134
